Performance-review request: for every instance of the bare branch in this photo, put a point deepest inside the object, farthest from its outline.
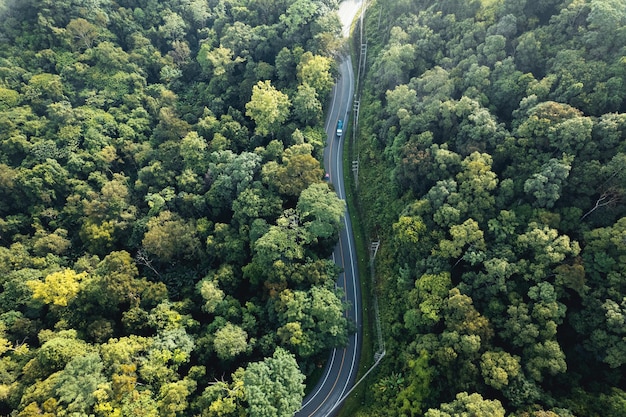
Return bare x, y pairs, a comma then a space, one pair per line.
607, 198
142, 259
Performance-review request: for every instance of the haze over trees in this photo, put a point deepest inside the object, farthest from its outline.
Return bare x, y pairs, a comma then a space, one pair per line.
164, 225
493, 133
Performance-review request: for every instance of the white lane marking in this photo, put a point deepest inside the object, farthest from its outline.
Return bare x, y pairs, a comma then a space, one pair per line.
324, 381
330, 136
339, 158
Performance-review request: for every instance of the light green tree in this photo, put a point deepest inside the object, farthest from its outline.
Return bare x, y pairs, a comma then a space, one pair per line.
193, 151
546, 247
408, 233
173, 397
320, 210
396, 61
173, 27
428, 300
499, 367
467, 243
254, 203
211, 293
306, 105
230, 174
218, 61
312, 321
419, 376
314, 70
230, 341
82, 33
224, 399
57, 350
168, 236
544, 358
79, 381
274, 387
140, 404
283, 241
268, 107
468, 405
476, 183
299, 173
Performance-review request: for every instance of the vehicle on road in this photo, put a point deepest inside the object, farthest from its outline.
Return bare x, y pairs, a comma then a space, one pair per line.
339, 374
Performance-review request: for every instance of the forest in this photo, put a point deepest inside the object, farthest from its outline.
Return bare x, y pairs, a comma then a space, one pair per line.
492, 150
165, 226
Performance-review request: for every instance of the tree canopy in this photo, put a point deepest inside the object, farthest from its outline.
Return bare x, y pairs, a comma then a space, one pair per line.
161, 194
489, 139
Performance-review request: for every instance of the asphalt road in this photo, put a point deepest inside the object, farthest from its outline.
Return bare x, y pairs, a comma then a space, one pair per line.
342, 365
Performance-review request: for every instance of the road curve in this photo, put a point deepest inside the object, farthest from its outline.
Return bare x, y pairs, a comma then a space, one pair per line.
342, 366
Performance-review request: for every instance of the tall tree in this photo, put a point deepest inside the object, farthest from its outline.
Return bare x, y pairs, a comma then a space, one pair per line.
546, 185
274, 387
320, 210
170, 237
230, 341
268, 107
468, 404
306, 105
58, 288
314, 70
79, 381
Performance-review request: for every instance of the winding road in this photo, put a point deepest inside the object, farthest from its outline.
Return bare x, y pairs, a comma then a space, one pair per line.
342, 365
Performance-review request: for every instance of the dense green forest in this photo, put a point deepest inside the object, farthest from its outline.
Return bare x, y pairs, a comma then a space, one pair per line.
492, 148
165, 228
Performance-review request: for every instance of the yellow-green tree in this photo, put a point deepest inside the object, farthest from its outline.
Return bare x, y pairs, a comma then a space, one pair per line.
314, 70
58, 288
268, 107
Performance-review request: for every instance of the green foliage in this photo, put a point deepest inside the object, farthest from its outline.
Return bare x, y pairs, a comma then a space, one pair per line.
546, 186
144, 233
282, 241
168, 237
306, 105
222, 399
173, 397
79, 381
429, 296
410, 400
299, 172
268, 107
274, 386
56, 351
58, 288
490, 142
472, 404
311, 322
230, 174
320, 210
230, 341
498, 368
219, 60
211, 293
314, 71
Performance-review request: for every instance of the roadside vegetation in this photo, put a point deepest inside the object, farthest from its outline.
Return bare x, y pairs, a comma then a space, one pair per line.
492, 149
